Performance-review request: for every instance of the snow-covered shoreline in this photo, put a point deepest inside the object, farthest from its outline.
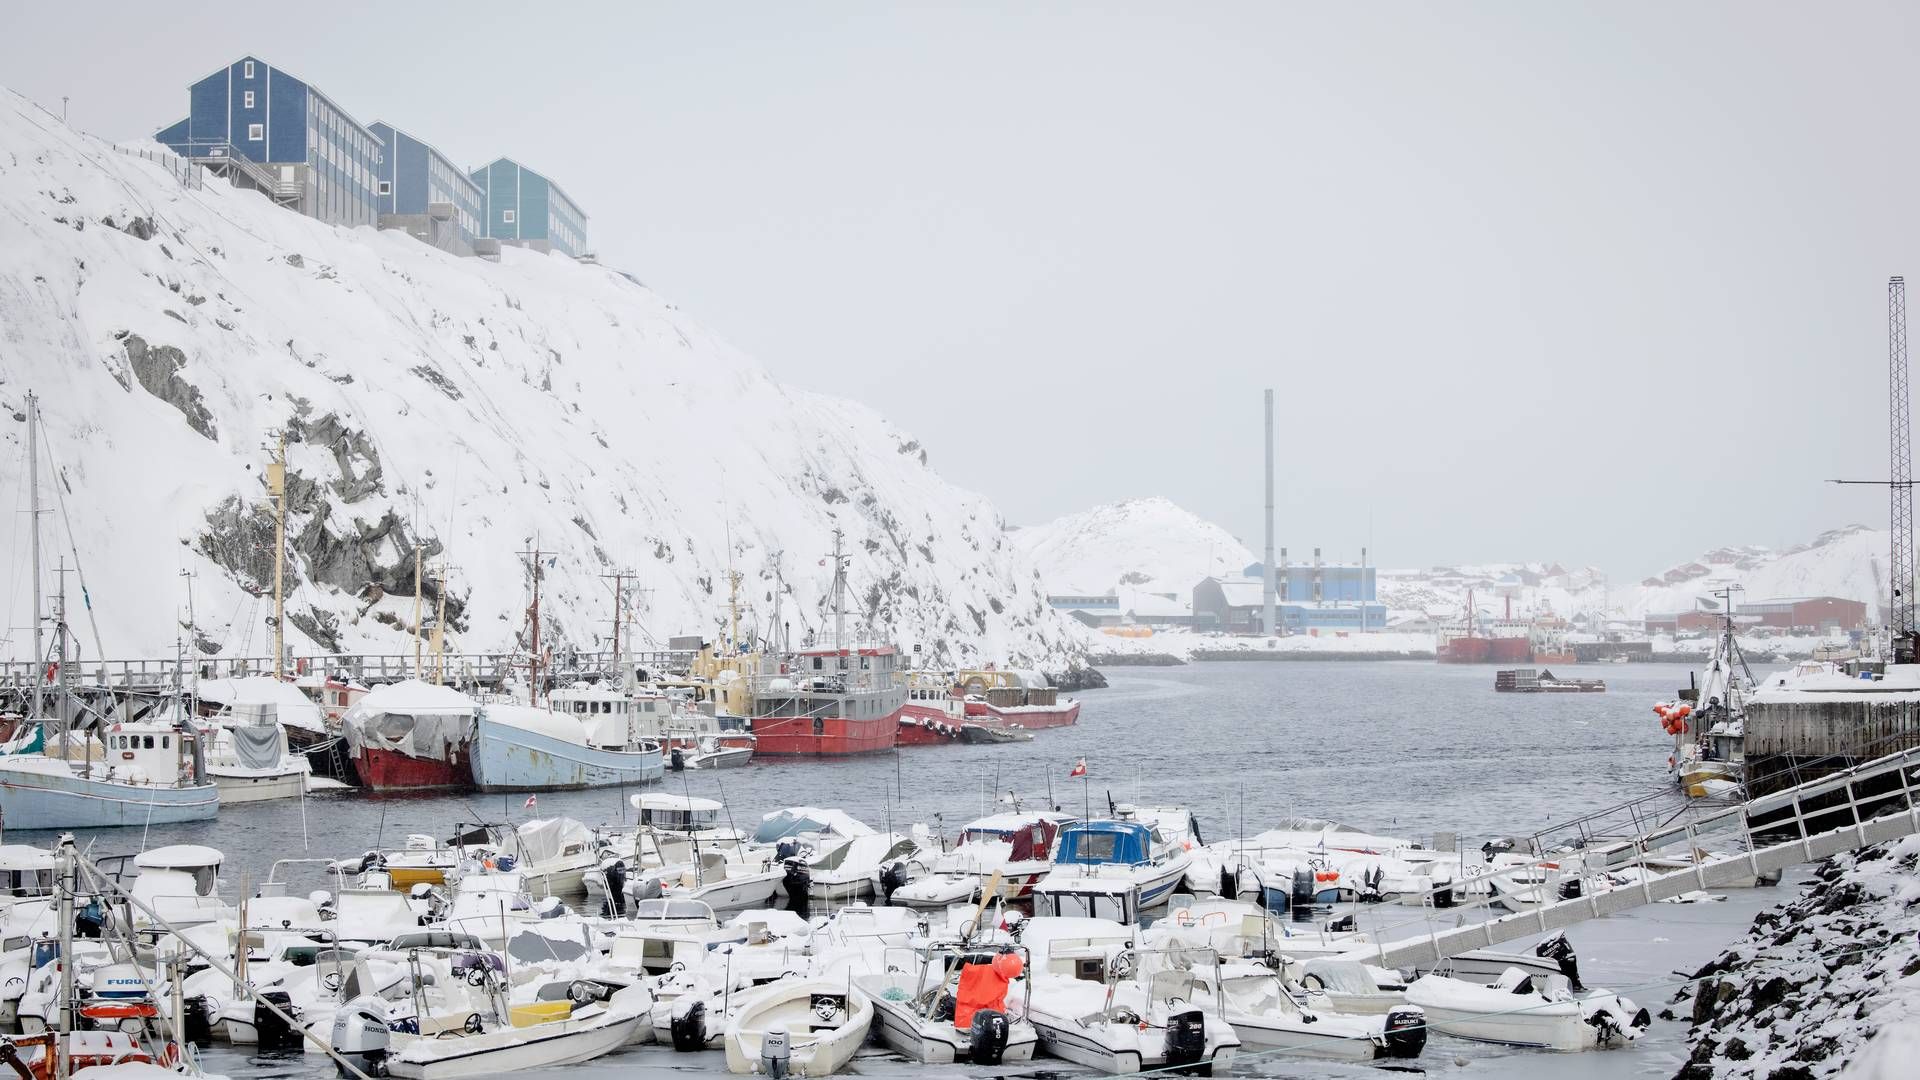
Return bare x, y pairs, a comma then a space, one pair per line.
1826, 984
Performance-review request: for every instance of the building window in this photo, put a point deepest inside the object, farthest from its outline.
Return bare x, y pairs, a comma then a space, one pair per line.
256, 132
386, 187
246, 100
506, 217
246, 70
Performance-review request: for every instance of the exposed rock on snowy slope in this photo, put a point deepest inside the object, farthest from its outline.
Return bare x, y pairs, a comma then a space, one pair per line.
1145, 544
1850, 563
1819, 982
468, 407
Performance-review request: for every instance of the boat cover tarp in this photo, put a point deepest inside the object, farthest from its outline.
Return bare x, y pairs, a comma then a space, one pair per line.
413, 718
259, 698
542, 841
258, 746
796, 820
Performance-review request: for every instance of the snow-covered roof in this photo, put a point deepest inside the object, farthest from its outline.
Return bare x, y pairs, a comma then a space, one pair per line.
540, 721
178, 856
267, 696
415, 697
663, 801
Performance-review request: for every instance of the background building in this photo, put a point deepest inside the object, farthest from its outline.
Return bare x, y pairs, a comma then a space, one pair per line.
1805, 613
1236, 604
267, 130
420, 190
522, 207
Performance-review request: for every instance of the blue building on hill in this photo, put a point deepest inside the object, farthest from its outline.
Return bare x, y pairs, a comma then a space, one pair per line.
420, 188
525, 208
268, 130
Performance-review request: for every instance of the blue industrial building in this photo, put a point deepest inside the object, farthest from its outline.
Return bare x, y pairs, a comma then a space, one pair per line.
266, 129
418, 183
1308, 598
525, 208
1343, 582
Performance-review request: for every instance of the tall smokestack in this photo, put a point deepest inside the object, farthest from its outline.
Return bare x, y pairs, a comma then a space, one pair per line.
1266, 565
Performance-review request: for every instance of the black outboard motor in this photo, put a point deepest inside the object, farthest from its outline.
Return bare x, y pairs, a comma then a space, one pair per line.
1186, 1041
689, 1028
1406, 1032
1301, 898
786, 850
1229, 883
197, 1023
891, 879
1443, 898
1342, 925
1499, 845
987, 1037
274, 1033
798, 882
1559, 950
1570, 888
676, 760
616, 876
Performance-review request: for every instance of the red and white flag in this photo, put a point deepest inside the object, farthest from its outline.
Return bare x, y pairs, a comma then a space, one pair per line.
1079, 768
530, 802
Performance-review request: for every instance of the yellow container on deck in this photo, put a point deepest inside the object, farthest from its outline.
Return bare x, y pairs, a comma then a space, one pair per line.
540, 1012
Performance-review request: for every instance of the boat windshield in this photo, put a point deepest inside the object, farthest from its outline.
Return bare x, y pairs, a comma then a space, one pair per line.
782, 825
1342, 976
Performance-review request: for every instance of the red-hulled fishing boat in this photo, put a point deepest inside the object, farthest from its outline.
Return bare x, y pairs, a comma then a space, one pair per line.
411, 736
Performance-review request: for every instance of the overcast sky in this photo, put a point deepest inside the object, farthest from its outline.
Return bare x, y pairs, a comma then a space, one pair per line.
1533, 282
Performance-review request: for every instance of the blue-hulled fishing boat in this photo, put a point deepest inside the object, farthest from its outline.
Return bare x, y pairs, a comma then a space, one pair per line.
524, 748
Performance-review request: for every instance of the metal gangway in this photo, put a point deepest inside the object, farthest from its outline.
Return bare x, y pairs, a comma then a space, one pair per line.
1869, 803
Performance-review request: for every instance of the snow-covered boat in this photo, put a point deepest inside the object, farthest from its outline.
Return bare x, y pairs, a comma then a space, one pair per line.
851, 870
815, 1024
911, 1007
151, 773
1108, 852
1087, 1008
1017, 845
250, 758
522, 748
411, 736
1528, 1010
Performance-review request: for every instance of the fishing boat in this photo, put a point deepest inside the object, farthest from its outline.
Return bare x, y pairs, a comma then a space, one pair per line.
249, 757
1708, 721
411, 736
1530, 681
1124, 852
151, 773
830, 702
523, 748
1012, 697
811, 1027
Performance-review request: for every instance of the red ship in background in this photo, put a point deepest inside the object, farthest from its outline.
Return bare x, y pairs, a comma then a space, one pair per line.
1498, 641
411, 736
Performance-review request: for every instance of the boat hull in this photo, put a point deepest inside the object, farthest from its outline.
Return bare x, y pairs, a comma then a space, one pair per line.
939, 1043
244, 787
508, 758
1027, 716
570, 1043
389, 770
824, 736
34, 800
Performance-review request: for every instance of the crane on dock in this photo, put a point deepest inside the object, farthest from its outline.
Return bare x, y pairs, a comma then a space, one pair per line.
1899, 482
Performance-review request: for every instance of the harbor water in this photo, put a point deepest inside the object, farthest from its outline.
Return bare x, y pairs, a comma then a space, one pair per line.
1399, 748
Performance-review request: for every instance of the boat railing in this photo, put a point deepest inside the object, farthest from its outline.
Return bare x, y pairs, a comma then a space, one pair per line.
275, 885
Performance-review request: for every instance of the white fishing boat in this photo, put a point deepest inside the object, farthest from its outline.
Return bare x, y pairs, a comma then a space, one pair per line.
1535, 1011
950, 1005
1122, 852
249, 757
814, 1026
1087, 1007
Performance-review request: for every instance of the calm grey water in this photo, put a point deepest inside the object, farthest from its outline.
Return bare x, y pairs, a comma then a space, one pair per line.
1403, 748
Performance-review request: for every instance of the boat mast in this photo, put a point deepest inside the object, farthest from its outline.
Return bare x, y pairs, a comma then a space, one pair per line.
33, 523
839, 595
533, 620
733, 610
277, 487
60, 663
67, 861
418, 671
440, 628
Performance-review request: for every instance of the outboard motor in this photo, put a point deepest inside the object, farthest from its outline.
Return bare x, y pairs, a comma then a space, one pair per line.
987, 1037
1229, 883
360, 1034
689, 1026
786, 850
1443, 897
798, 883
1559, 950
1186, 1040
1301, 899
776, 1054
644, 888
1570, 888
1342, 925
275, 1034
1499, 845
616, 877
676, 760
1406, 1032
369, 861
891, 880
197, 1023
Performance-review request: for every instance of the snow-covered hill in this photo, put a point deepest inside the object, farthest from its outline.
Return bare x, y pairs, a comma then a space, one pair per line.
1850, 563
474, 407
1149, 545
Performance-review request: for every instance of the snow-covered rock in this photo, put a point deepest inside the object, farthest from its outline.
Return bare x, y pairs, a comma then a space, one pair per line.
474, 408
1827, 980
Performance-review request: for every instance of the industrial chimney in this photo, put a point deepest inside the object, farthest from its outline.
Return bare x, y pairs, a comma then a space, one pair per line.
1268, 625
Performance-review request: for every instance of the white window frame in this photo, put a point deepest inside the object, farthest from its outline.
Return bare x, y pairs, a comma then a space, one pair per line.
256, 132
386, 187
246, 70
246, 99
506, 217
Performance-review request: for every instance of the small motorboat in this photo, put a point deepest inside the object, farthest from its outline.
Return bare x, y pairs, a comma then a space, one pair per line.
798, 1027
952, 1007
1019, 845
1528, 1010
1123, 850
